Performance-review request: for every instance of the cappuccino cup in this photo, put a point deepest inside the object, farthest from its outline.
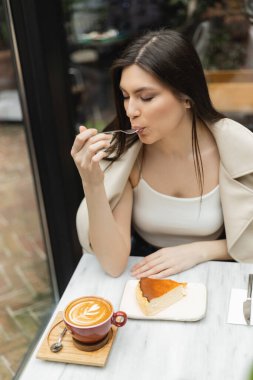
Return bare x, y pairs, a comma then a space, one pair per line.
90, 318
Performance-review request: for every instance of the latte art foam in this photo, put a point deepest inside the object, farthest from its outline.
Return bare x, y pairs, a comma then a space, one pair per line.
88, 311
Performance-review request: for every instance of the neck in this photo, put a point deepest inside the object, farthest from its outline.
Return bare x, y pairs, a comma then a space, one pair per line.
178, 143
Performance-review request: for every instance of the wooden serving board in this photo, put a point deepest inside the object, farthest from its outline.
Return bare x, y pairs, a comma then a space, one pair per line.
69, 353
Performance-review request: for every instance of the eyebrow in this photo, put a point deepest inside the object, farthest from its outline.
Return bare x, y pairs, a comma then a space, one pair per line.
140, 89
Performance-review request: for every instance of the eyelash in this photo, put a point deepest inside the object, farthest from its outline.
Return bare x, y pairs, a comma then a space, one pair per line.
147, 99
143, 99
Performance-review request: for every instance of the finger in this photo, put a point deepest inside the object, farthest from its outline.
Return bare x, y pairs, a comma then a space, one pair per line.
141, 268
96, 147
93, 152
82, 128
99, 156
165, 273
101, 136
138, 266
98, 138
145, 261
150, 272
81, 140
150, 267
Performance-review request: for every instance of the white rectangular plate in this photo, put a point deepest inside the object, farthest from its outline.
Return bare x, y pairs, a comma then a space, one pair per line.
191, 307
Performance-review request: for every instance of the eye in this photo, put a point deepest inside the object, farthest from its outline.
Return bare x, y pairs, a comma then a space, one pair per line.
124, 96
147, 98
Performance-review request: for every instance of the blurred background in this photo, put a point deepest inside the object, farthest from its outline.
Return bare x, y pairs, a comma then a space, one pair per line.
54, 75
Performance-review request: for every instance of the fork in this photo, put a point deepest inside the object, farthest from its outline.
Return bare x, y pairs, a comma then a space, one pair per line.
127, 131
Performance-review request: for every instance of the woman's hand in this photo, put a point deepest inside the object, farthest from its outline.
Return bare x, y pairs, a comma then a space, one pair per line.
168, 261
87, 151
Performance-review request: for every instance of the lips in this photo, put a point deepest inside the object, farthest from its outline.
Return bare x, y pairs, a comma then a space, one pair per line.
138, 129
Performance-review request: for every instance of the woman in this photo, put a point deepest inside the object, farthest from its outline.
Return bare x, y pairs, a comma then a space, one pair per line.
185, 173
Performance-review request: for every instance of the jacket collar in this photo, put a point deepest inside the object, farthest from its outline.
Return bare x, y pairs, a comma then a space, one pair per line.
235, 145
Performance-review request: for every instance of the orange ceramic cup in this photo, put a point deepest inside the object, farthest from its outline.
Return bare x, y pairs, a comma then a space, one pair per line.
90, 318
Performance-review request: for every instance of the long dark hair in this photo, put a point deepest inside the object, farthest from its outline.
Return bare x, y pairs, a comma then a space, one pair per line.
172, 59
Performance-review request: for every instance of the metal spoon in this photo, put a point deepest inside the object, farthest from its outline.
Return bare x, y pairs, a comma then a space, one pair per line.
126, 131
57, 346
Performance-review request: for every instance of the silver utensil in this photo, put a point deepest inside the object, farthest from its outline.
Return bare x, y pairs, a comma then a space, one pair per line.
247, 303
57, 346
126, 131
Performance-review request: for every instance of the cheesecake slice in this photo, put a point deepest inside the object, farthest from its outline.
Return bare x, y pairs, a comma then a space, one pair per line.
155, 295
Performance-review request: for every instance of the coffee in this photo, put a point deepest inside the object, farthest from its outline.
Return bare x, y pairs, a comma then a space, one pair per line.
88, 311
90, 318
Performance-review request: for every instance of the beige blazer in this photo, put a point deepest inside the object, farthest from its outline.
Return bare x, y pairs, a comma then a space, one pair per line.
235, 145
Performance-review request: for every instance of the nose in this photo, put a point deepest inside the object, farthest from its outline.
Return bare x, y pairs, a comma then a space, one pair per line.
132, 110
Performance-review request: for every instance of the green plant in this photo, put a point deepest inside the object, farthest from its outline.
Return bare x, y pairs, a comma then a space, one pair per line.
223, 52
251, 374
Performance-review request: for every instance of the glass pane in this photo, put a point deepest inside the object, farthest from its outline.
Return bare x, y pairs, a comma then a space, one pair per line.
220, 30
26, 296
224, 41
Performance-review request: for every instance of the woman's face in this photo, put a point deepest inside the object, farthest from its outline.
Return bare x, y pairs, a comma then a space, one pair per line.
151, 107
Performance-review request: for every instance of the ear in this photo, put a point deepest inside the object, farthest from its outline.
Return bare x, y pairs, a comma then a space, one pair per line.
187, 103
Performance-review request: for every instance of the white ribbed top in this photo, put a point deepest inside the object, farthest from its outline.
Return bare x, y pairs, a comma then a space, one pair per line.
165, 221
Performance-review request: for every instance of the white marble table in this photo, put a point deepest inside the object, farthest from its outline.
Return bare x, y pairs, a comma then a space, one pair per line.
209, 349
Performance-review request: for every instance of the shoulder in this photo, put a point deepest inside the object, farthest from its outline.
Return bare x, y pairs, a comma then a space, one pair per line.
232, 129
235, 145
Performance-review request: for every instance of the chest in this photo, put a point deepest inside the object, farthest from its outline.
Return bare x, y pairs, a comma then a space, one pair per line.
179, 177
167, 221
